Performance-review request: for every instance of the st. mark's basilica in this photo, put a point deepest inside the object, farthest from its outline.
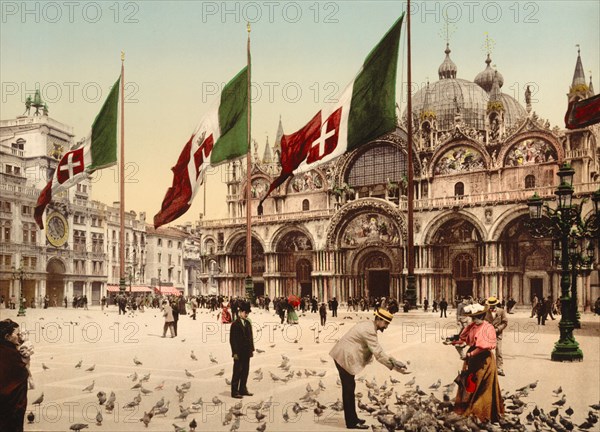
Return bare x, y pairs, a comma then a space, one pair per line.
339, 230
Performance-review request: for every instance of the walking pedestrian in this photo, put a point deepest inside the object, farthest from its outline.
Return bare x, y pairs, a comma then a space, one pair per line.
242, 349
352, 353
496, 316
534, 303
168, 314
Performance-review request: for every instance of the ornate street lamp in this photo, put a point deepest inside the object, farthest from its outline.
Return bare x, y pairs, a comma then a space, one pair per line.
20, 274
558, 225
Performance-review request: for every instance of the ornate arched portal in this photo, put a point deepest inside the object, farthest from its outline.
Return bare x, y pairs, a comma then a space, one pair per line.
294, 262
376, 268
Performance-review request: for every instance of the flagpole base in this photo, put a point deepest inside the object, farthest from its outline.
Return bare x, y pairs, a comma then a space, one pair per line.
250, 289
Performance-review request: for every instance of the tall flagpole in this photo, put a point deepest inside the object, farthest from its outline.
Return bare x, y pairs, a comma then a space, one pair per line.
122, 183
411, 289
249, 283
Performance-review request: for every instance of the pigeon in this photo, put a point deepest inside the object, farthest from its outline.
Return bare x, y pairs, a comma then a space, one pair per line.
436, 385
188, 374
212, 358
159, 404
136, 361
193, 356
561, 401
78, 426
557, 391
410, 383
569, 411
160, 386
220, 373
163, 410
286, 416
136, 386
145, 391
261, 427
133, 376
147, 417
259, 416
178, 428
227, 381
90, 387
78, 365
39, 400
44, 367
99, 419
216, 400
193, 425
595, 407
101, 397
258, 350
91, 368
30, 417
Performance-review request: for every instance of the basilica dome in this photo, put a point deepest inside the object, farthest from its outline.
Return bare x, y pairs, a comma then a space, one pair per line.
452, 98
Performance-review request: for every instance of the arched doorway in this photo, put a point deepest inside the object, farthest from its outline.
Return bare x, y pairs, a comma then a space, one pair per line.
376, 270
462, 272
303, 271
294, 258
55, 281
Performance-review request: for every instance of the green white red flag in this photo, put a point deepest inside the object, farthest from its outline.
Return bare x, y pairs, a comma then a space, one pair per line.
365, 111
221, 136
98, 150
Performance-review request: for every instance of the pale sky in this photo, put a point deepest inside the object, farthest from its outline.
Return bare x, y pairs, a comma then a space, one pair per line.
179, 53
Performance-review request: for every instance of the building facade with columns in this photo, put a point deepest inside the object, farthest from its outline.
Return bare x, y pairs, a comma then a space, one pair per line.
340, 230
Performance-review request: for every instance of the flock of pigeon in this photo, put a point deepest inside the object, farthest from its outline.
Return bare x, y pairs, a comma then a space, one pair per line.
391, 406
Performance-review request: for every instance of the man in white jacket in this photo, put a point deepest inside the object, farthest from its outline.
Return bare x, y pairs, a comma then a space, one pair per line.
352, 353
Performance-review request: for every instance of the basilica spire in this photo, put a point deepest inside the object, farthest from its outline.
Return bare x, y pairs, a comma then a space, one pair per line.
448, 68
579, 88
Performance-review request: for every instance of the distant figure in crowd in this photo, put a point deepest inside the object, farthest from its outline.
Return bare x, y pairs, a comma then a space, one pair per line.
242, 348
534, 303
510, 304
103, 302
168, 314
323, 313
292, 316
478, 388
334, 307
14, 377
496, 316
175, 312
443, 308
597, 306
352, 353
194, 305
425, 305
461, 319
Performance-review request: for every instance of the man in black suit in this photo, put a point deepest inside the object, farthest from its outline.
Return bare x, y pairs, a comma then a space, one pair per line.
242, 348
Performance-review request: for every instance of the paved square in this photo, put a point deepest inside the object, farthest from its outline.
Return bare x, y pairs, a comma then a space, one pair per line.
109, 344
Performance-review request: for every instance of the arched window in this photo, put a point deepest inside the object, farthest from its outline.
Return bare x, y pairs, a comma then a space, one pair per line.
530, 181
459, 189
305, 205
377, 166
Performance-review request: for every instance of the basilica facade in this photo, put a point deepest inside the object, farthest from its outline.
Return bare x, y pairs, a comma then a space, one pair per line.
341, 230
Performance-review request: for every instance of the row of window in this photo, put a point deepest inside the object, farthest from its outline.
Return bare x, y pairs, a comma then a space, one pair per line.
169, 243
12, 169
170, 261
